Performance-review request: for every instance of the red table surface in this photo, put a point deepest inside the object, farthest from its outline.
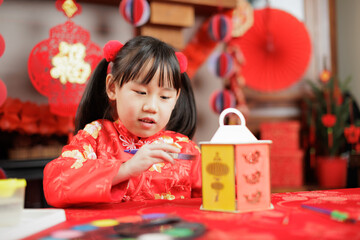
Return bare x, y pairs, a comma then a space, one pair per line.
288, 220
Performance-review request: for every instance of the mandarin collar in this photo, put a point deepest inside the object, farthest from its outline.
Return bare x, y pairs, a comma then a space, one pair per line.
125, 132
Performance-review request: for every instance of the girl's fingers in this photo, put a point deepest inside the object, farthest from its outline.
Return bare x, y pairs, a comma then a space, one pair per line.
164, 147
160, 154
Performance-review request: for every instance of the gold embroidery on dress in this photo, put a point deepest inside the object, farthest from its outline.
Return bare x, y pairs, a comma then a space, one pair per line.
93, 129
156, 167
166, 196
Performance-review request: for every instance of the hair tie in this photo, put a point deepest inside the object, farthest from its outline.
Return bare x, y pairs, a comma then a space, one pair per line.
111, 49
182, 61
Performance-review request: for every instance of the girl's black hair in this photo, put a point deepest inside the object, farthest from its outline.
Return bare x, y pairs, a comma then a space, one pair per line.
129, 63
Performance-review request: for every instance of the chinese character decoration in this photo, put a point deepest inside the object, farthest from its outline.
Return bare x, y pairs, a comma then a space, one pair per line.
60, 66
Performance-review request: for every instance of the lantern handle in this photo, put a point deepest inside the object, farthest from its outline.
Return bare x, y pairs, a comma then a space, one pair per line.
231, 110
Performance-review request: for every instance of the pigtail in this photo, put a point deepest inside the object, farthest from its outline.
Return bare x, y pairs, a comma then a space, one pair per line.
94, 103
183, 118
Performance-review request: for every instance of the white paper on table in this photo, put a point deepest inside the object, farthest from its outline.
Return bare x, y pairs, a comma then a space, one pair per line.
33, 220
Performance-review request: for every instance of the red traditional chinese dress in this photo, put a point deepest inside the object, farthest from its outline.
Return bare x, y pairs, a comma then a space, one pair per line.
84, 171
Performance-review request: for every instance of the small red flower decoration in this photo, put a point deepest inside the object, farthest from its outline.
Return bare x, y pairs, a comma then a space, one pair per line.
328, 120
352, 134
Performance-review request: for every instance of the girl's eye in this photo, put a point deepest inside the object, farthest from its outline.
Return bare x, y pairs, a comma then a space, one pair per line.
165, 97
141, 92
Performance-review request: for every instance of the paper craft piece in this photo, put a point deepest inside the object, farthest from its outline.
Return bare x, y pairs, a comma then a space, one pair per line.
218, 177
242, 156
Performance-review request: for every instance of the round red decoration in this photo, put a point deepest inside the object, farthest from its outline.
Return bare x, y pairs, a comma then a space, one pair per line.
69, 7
136, 12
111, 49
328, 120
182, 61
2, 45
221, 99
59, 67
221, 64
220, 28
3, 92
277, 50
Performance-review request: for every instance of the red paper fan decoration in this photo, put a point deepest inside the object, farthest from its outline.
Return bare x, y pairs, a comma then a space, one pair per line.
1, 1
277, 50
3, 92
136, 12
59, 67
2, 45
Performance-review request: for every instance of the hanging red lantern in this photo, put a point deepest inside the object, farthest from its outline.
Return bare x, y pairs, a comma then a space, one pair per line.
221, 99
220, 28
3, 92
2, 45
136, 12
221, 64
60, 66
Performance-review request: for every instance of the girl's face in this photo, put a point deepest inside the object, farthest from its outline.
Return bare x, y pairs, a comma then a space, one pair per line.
144, 109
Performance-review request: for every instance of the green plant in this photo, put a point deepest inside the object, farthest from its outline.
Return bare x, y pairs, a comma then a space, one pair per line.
327, 116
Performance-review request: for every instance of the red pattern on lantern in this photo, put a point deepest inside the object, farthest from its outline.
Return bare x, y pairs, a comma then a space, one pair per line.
63, 97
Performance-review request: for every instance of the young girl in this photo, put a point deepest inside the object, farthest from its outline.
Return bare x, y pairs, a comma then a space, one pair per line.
145, 103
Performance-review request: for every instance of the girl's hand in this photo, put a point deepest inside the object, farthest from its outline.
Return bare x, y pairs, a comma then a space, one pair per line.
145, 157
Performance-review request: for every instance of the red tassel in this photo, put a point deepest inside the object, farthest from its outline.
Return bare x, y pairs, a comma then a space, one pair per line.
330, 137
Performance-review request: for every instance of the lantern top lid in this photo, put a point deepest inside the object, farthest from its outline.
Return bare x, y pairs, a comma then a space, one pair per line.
233, 134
